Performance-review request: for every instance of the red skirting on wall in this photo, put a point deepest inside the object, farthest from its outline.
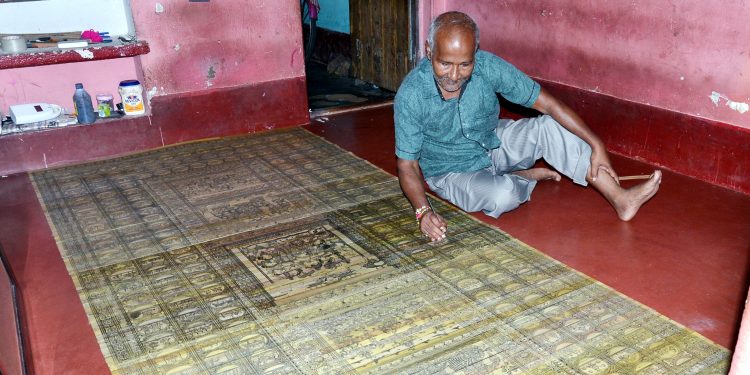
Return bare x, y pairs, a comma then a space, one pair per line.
173, 119
708, 150
231, 111
711, 151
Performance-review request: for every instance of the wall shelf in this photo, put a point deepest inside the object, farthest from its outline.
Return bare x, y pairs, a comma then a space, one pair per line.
51, 56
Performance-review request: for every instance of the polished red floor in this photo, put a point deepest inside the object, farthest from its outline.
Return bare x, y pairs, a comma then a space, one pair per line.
685, 255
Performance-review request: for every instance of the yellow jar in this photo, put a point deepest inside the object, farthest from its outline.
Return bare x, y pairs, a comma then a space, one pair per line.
131, 93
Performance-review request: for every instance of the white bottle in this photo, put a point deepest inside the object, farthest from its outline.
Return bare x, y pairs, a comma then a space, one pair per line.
131, 93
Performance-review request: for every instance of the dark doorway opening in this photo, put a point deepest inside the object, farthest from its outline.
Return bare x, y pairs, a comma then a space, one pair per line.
364, 67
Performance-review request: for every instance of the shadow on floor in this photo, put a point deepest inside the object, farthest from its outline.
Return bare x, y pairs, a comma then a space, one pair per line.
326, 90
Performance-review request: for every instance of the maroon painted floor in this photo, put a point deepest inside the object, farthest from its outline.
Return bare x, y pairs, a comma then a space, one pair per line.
686, 254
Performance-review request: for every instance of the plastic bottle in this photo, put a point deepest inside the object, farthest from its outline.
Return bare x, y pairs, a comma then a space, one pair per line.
83, 106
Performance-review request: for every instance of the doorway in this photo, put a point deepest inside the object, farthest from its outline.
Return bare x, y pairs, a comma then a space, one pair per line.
357, 52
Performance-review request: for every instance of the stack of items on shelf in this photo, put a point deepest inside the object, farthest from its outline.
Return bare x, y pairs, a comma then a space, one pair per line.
37, 116
76, 39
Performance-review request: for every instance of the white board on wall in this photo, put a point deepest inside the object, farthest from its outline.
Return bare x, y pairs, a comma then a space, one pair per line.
57, 16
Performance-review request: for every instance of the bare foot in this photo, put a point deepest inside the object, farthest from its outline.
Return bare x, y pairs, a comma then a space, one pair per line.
538, 174
630, 200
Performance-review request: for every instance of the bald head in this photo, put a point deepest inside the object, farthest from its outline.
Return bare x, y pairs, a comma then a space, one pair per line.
452, 21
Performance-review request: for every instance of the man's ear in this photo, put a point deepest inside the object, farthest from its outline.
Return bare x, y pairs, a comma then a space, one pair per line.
427, 50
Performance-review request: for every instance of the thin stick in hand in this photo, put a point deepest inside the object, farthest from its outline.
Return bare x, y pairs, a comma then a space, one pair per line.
635, 177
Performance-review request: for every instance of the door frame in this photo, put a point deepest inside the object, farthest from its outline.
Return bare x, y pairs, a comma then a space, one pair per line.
414, 34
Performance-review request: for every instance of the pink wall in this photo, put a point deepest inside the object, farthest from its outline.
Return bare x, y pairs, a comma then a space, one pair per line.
669, 54
194, 47
225, 43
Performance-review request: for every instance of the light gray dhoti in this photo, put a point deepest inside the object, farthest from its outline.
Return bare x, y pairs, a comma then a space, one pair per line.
494, 190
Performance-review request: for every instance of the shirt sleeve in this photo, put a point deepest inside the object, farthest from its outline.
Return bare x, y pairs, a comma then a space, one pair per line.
409, 136
507, 80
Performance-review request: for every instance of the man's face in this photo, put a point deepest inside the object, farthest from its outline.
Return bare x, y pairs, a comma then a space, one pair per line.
452, 58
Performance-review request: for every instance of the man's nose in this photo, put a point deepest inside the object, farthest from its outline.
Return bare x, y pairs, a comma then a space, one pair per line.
454, 73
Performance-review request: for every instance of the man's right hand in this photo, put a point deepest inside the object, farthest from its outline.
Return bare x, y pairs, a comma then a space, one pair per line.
412, 184
433, 226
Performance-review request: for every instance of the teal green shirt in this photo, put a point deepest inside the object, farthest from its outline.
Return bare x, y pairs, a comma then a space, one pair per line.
455, 135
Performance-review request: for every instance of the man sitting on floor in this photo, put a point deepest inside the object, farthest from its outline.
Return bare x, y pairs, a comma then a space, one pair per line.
447, 131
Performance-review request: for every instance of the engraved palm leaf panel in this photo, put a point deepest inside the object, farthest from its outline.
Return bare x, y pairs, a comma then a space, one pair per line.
166, 199
280, 254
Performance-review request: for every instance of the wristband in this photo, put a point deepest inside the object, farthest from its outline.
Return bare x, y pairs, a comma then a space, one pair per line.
420, 212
